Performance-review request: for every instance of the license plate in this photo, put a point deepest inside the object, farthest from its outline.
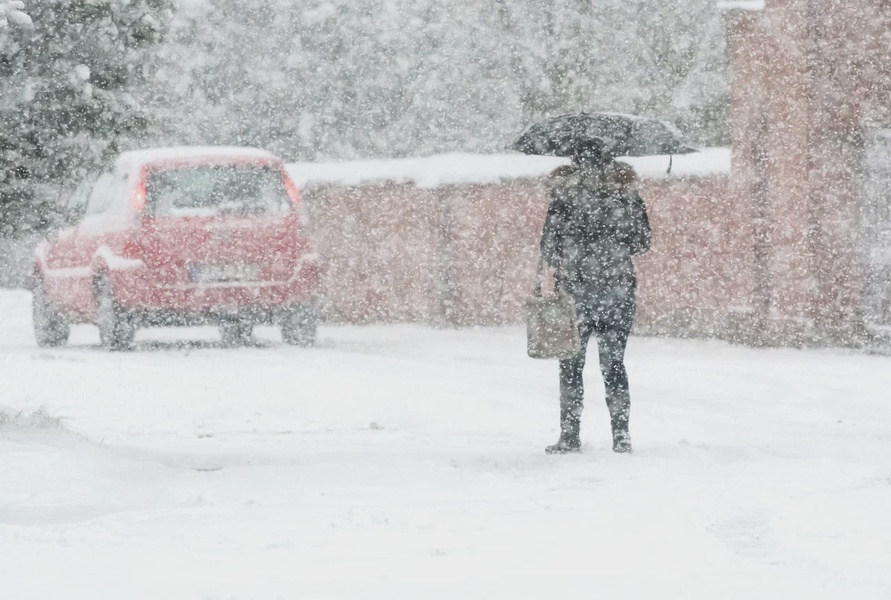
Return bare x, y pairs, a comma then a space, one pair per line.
223, 273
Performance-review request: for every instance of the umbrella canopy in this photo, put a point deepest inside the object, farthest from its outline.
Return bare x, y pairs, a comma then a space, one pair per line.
601, 134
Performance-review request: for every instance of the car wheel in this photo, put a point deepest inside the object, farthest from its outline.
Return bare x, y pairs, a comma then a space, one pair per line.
116, 330
236, 333
300, 326
50, 328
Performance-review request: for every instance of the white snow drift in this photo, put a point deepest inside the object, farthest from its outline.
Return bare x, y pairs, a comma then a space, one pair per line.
406, 462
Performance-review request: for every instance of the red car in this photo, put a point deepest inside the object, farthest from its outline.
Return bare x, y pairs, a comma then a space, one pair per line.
180, 236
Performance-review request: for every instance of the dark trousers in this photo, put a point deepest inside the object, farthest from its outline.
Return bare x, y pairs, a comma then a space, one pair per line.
611, 331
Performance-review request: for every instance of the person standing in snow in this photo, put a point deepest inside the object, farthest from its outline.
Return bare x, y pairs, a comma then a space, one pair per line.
596, 222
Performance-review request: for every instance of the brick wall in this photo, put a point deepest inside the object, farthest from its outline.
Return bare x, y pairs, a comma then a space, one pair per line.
806, 77
466, 255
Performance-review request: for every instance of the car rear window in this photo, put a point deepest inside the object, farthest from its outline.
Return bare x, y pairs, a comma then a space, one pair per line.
217, 189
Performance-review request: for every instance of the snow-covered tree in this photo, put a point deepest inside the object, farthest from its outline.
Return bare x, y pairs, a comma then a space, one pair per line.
655, 58
69, 91
349, 78
12, 11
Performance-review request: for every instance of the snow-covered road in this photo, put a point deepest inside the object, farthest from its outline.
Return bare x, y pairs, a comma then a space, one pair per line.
407, 462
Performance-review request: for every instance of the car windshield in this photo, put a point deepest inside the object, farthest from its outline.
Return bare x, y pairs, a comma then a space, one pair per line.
217, 189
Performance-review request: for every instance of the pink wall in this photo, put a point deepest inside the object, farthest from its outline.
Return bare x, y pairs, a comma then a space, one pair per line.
466, 255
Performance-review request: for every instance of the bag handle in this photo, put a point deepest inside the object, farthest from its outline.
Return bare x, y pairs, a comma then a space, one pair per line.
536, 291
539, 272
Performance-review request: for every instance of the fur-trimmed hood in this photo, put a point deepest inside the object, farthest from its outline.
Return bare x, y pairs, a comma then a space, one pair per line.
613, 175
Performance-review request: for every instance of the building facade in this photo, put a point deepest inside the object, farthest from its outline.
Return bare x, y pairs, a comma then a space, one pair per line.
811, 163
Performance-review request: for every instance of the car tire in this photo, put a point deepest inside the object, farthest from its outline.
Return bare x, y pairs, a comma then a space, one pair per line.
50, 328
300, 326
236, 333
116, 329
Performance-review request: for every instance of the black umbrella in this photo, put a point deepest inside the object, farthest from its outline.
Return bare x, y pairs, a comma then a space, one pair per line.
601, 134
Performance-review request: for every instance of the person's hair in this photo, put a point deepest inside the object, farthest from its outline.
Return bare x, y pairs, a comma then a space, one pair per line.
561, 172
625, 173
591, 161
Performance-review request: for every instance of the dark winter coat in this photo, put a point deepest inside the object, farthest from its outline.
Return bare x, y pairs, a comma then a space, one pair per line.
596, 222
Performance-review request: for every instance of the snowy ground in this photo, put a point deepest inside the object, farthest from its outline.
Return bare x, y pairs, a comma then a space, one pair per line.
406, 462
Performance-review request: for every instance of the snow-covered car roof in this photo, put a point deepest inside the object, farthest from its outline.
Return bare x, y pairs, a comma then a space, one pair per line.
138, 158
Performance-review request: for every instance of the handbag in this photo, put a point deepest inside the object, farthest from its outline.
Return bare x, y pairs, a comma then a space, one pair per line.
551, 328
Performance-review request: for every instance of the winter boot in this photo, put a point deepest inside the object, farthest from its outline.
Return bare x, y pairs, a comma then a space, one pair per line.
619, 403
621, 437
569, 436
567, 443
621, 441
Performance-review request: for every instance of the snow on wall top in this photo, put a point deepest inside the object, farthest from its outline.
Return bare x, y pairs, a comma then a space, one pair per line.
451, 169
708, 162
754, 5
138, 157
